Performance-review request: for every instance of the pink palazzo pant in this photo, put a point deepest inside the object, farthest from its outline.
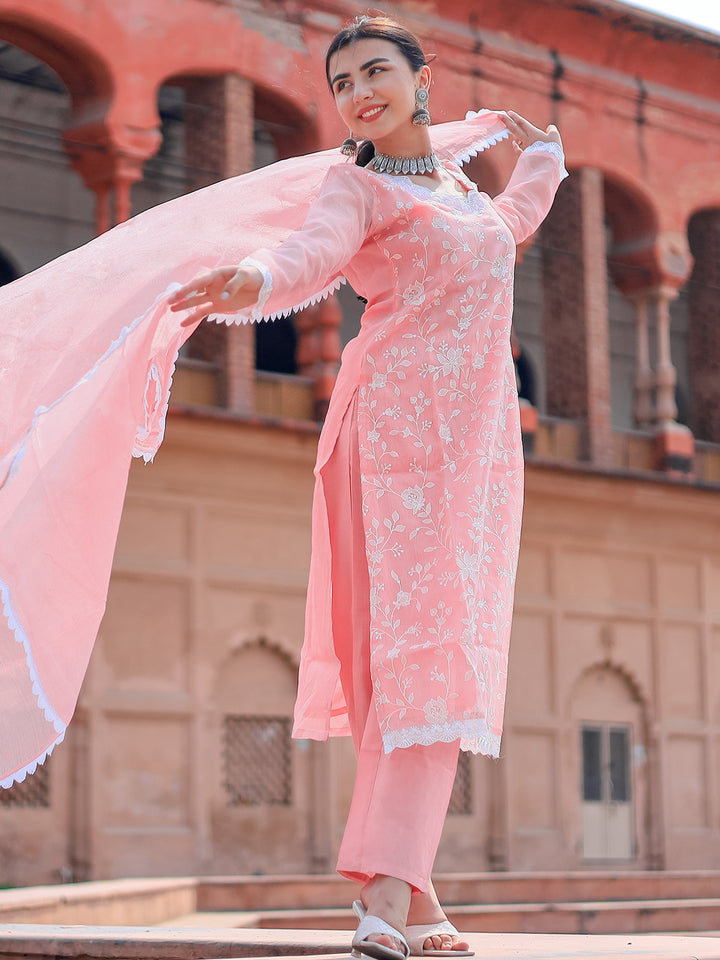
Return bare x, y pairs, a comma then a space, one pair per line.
400, 798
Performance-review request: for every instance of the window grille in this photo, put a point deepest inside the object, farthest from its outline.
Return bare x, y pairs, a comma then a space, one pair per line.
461, 799
258, 767
34, 791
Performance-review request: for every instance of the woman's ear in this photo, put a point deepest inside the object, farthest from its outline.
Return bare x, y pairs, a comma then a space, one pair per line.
425, 76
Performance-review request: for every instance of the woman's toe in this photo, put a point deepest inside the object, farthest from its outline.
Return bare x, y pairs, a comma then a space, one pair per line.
385, 940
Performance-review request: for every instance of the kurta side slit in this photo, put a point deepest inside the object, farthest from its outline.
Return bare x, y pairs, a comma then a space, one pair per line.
400, 798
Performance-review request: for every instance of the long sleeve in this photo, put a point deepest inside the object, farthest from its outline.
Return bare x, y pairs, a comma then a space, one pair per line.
527, 199
309, 264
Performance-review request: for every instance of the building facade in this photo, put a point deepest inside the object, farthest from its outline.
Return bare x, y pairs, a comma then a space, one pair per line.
179, 759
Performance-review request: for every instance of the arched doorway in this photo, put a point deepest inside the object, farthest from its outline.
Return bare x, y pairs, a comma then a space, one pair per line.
609, 731
257, 792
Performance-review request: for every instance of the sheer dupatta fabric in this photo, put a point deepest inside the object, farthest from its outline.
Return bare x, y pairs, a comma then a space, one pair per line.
87, 352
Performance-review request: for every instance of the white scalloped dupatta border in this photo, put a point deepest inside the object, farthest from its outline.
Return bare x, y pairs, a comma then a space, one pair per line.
43, 703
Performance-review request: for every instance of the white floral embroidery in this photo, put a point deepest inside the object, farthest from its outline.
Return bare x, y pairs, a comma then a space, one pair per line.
441, 472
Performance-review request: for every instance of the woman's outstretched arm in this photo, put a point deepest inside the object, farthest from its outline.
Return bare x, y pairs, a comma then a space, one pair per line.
299, 269
527, 199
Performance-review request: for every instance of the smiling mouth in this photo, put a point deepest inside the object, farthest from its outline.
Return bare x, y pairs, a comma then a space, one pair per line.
371, 114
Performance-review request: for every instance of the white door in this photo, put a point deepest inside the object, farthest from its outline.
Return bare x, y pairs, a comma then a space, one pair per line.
607, 792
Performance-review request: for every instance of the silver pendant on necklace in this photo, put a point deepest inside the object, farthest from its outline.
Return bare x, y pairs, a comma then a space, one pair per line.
404, 165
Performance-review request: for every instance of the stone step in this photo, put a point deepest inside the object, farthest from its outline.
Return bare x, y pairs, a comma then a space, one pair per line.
31, 942
316, 891
597, 917
46, 942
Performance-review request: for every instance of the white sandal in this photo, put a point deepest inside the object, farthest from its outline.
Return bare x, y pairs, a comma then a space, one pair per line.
369, 924
418, 933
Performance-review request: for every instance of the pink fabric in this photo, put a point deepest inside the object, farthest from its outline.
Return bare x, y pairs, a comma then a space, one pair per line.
440, 446
400, 799
87, 352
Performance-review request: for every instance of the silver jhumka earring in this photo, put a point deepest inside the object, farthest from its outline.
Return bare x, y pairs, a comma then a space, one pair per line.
421, 117
349, 146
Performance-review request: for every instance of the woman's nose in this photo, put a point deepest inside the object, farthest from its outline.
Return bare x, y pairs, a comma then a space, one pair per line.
362, 90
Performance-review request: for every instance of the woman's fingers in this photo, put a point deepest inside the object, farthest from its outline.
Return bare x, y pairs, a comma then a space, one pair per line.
524, 133
200, 283
192, 301
553, 134
247, 279
225, 290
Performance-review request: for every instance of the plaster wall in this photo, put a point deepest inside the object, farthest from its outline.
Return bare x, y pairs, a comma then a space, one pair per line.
617, 621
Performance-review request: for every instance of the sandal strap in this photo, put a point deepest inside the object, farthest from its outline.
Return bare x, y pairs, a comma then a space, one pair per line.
418, 933
372, 924
425, 930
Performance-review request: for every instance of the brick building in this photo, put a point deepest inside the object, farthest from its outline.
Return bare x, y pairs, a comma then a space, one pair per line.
178, 760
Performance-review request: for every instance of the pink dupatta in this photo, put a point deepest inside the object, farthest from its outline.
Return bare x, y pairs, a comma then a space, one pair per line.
87, 353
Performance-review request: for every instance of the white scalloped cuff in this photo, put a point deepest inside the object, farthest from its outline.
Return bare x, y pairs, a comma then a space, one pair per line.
256, 312
544, 146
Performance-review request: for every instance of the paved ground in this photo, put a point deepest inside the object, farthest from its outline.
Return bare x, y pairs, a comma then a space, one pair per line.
42, 942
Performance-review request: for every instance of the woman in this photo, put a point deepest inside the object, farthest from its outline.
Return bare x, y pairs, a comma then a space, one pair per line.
416, 518
416, 515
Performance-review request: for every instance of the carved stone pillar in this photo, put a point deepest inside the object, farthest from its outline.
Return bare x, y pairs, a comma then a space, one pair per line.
643, 408
655, 407
704, 325
650, 277
110, 160
665, 373
575, 313
219, 125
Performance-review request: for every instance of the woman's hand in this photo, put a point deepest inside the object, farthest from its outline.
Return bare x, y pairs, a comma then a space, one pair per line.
224, 290
523, 133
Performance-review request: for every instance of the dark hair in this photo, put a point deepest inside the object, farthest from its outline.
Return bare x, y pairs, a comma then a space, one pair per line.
378, 28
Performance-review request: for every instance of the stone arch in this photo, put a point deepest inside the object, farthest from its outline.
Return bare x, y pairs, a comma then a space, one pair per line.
620, 674
256, 779
37, 100
646, 266
258, 676
231, 124
703, 299
280, 646
112, 127
82, 69
292, 127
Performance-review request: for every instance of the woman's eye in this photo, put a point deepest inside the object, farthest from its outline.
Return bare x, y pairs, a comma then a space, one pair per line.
373, 70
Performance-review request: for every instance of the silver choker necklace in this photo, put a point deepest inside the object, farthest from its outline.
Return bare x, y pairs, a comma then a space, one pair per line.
385, 164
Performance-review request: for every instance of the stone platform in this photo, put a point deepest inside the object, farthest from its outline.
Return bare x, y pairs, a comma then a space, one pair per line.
48, 942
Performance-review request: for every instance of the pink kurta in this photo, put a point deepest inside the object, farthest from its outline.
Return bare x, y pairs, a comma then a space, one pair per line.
87, 351
439, 435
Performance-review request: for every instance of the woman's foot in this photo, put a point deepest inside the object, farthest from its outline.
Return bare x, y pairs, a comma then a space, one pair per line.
425, 910
389, 899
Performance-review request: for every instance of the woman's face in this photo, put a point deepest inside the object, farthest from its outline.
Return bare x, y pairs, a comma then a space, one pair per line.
374, 87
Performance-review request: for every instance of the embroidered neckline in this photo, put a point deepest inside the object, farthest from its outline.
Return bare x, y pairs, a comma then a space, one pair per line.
419, 190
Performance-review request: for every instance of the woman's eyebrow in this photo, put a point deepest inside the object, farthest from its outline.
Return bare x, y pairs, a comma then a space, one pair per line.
365, 66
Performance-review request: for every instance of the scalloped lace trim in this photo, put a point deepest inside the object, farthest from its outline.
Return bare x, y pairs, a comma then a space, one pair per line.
247, 317
482, 143
31, 767
43, 703
542, 146
472, 734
